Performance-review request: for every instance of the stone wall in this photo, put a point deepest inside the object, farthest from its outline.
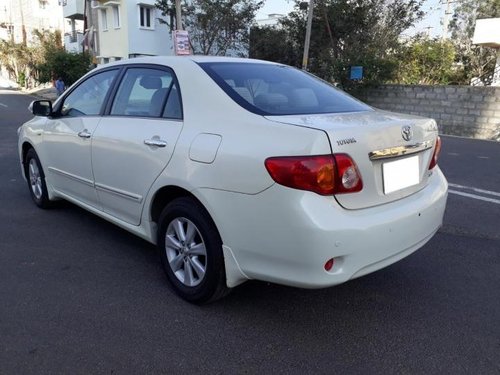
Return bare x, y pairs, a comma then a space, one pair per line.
458, 110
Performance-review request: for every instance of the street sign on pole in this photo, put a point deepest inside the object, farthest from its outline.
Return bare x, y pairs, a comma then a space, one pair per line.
356, 73
181, 42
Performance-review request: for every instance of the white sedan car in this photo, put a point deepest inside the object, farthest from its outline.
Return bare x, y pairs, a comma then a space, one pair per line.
239, 169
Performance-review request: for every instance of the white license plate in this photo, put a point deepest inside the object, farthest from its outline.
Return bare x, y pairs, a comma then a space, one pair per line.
401, 174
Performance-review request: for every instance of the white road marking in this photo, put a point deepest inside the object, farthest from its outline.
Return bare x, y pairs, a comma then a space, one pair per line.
483, 157
453, 154
473, 196
3, 105
481, 191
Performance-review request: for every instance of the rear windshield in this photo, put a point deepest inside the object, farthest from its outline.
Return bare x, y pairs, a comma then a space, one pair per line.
269, 89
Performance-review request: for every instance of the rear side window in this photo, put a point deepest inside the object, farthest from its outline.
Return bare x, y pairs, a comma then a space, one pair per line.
147, 92
271, 89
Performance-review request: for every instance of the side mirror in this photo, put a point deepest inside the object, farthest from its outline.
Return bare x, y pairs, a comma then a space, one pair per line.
41, 107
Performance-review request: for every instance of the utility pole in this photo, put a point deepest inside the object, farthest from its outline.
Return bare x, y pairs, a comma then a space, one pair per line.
178, 15
308, 35
23, 26
446, 20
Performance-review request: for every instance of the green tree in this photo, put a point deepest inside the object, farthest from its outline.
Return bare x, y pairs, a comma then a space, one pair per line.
43, 61
215, 27
477, 61
273, 44
427, 61
53, 61
60, 63
350, 32
17, 59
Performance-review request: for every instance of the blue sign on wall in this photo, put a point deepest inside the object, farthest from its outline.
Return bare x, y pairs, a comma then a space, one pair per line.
356, 72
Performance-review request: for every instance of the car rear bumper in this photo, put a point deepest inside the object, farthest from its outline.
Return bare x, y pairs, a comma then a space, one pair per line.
285, 236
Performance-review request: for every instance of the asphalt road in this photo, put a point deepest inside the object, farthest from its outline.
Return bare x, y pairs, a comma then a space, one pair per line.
80, 296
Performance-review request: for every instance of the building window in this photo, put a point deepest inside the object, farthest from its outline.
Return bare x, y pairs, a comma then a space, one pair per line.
116, 16
146, 17
42, 4
104, 18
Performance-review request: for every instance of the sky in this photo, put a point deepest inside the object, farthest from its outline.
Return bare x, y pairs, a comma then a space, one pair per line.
434, 9
275, 6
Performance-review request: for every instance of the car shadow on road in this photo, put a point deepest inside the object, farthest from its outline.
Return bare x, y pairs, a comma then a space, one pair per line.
389, 284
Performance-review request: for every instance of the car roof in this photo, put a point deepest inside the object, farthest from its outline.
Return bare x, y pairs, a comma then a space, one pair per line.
175, 60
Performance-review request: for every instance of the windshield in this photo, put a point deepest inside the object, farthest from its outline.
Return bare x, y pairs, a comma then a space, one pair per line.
270, 89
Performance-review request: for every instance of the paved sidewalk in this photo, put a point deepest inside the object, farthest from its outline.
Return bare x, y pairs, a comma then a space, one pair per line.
49, 93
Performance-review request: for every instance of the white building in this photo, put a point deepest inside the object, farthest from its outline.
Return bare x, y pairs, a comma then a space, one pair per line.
131, 28
271, 20
74, 15
19, 18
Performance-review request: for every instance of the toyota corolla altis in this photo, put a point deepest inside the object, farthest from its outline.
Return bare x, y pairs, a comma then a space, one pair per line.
239, 169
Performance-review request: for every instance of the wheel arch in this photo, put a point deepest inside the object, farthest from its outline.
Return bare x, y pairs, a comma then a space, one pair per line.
26, 146
167, 194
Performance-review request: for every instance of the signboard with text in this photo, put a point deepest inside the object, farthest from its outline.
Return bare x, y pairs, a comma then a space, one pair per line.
181, 41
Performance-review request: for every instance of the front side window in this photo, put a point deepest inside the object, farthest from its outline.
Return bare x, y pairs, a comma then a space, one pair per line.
271, 89
147, 92
88, 98
146, 16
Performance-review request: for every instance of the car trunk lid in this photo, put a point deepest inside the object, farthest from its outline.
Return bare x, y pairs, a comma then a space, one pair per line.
392, 151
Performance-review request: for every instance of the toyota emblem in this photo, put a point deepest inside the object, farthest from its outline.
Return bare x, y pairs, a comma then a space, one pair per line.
407, 132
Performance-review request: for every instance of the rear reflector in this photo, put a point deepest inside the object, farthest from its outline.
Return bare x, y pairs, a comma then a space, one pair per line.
435, 155
322, 174
329, 264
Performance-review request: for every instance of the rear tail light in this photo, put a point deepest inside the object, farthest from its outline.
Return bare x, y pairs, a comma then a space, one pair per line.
348, 176
435, 155
322, 174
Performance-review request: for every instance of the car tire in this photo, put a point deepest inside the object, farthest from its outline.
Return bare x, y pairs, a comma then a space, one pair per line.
190, 249
36, 180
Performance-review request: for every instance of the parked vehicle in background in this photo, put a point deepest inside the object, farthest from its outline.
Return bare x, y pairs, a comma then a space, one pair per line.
239, 169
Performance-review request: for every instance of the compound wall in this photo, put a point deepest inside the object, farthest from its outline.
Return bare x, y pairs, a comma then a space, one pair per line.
458, 110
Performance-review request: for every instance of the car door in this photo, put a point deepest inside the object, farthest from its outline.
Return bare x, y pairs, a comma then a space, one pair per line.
135, 141
67, 139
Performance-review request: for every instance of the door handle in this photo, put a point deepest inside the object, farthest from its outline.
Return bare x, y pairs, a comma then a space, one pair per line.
155, 142
84, 134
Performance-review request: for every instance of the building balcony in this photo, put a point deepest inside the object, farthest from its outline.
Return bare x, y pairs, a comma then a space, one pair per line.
106, 3
74, 9
73, 42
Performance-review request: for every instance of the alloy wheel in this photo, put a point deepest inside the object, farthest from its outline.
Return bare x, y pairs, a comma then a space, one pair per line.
186, 251
35, 179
